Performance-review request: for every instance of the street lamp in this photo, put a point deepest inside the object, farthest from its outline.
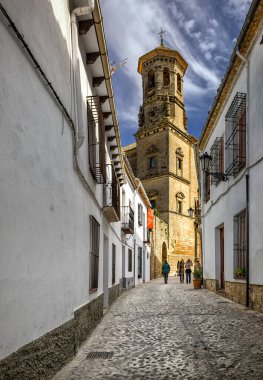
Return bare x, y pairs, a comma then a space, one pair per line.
190, 212
205, 165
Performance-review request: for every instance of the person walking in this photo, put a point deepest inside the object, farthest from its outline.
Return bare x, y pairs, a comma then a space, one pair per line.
188, 271
181, 271
165, 271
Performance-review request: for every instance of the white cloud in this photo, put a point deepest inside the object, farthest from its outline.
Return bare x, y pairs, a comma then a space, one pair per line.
189, 25
132, 27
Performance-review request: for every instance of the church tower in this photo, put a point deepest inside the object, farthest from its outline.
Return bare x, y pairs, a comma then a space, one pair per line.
163, 156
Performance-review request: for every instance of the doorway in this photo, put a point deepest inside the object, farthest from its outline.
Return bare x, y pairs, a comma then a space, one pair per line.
222, 259
105, 272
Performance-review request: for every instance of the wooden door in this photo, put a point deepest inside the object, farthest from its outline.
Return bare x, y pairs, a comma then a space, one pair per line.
222, 259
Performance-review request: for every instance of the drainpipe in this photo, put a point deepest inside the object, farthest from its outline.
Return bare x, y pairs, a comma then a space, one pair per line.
134, 258
80, 11
247, 63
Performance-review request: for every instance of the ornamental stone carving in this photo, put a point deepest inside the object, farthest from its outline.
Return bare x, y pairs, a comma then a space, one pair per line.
152, 149
180, 195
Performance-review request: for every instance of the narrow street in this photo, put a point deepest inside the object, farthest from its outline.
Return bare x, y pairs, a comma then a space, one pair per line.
159, 331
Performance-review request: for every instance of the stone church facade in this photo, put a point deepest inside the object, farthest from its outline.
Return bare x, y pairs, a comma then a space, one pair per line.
163, 155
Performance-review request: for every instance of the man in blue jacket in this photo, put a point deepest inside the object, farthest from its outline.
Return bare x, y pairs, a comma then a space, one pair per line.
165, 271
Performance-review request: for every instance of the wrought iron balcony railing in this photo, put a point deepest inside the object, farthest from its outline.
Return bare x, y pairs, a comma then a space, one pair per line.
127, 218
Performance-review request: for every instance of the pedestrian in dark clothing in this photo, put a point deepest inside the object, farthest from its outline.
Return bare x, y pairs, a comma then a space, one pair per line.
181, 271
165, 271
188, 271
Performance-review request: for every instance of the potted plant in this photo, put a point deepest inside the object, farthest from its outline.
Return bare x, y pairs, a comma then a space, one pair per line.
197, 275
240, 272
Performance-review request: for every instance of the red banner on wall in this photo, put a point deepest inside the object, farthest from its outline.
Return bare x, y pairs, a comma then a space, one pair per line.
150, 214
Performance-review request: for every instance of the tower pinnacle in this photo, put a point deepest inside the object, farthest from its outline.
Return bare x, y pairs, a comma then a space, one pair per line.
161, 33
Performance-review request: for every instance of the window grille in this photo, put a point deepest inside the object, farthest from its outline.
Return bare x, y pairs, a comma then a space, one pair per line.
236, 135
217, 163
144, 226
113, 264
206, 186
129, 260
240, 245
139, 262
139, 214
127, 219
115, 193
94, 253
96, 135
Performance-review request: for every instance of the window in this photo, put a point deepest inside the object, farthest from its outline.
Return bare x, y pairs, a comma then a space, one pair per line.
94, 253
129, 260
236, 135
153, 203
240, 244
179, 170
113, 263
139, 262
179, 83
96, 137
217, 163
206, 186
166, 76
151, 80
152, 162
179, 162
179, 207
139, 214
144, 226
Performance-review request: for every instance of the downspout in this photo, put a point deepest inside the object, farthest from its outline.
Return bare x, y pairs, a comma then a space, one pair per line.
247, 63
80, 11
134, 249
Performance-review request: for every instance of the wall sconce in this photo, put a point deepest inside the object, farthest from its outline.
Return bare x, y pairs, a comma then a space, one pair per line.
205, 165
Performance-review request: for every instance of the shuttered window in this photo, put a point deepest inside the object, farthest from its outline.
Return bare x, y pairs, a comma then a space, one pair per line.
94, 253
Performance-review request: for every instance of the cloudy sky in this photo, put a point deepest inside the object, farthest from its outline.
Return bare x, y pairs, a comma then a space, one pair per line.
203, 31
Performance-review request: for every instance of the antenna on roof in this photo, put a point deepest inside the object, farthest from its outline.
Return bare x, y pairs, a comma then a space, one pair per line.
114, 66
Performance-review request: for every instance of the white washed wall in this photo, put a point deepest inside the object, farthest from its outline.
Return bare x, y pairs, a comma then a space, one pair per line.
44, 229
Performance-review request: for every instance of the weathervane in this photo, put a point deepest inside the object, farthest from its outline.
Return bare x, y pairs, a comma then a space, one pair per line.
161, 33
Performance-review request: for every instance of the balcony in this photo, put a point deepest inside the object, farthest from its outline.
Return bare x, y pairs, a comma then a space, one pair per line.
96, 135
112, 199
127, 224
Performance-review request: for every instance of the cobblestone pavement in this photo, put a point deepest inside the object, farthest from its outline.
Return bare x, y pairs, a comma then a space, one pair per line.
159, 331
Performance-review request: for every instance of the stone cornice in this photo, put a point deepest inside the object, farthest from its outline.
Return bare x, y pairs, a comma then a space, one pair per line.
244, 43
162, 51
164, 125
166, 174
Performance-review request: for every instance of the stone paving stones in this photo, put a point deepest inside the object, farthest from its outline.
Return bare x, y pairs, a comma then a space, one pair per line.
172, 331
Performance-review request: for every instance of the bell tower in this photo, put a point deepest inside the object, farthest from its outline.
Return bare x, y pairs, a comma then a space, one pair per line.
164, 158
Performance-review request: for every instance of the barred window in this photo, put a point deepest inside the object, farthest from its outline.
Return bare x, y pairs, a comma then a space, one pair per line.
129, 260
217, 163
94, 253
96, 137
236, 135
206, 187
240, 244
139, 262
139, 214
113, 264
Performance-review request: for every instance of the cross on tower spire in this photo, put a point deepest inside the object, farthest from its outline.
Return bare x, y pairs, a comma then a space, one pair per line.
161, 33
